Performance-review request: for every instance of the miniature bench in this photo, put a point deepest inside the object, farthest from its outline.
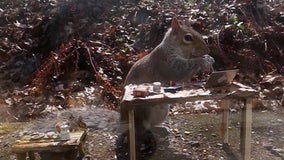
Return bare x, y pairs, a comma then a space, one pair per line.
232, 91
50, 148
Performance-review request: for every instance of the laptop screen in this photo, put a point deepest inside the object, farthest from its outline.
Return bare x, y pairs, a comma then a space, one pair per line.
221, 78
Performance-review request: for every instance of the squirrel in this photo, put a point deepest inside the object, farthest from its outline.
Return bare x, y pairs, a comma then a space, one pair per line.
181, 54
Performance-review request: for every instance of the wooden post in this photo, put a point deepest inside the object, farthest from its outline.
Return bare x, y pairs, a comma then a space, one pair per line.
245, 145
21, 156
132, 146
225, 118
31, 155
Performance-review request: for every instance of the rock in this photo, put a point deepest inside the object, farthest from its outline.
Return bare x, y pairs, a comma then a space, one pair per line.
278, 150
211, 157
233, 110
219, 144
161, 131
268, 146
194, 143
161, 148
175, 130
214, 135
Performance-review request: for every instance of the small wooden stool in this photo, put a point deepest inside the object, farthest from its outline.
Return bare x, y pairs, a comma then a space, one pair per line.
50, 148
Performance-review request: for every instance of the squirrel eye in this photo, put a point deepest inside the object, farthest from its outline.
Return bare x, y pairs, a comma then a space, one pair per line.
188, 38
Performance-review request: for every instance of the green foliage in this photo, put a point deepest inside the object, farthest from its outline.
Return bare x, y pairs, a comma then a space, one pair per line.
241, 26
233, 19
120, 40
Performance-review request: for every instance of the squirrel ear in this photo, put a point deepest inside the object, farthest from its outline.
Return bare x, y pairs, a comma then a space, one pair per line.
187, 23
175, 24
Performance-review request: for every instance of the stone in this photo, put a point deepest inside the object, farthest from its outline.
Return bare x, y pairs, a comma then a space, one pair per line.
194, 143
161, 131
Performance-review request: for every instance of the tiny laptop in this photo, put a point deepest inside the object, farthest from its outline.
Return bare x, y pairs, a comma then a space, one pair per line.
221, 78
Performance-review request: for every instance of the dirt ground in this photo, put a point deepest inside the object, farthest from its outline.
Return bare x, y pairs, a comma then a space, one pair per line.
192, 137
197, 136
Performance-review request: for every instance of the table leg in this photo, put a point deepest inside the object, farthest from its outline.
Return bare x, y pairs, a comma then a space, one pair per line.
66, 155
245, 145
81, 150
21, 156
225, 118
132, 146
31, 155
72, 155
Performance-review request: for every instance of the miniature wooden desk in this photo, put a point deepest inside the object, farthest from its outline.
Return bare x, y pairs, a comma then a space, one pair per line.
234, 91
50, 147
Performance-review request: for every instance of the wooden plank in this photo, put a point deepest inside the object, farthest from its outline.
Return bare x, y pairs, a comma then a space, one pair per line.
128, 96
44, 145
167, 98
245, 133
54, 146
132, 141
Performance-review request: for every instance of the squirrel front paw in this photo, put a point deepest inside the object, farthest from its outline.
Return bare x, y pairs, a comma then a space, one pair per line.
208, 63
208, 59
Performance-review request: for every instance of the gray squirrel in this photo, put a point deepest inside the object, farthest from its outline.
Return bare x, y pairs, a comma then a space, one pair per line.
181, 54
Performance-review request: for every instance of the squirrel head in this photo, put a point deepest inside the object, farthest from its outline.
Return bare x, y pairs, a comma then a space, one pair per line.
189, 42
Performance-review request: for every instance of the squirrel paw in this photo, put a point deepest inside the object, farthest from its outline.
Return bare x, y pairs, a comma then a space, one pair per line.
208, 65
209, 59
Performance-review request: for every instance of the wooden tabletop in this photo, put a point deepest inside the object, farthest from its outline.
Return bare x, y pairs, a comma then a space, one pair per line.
235, 90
